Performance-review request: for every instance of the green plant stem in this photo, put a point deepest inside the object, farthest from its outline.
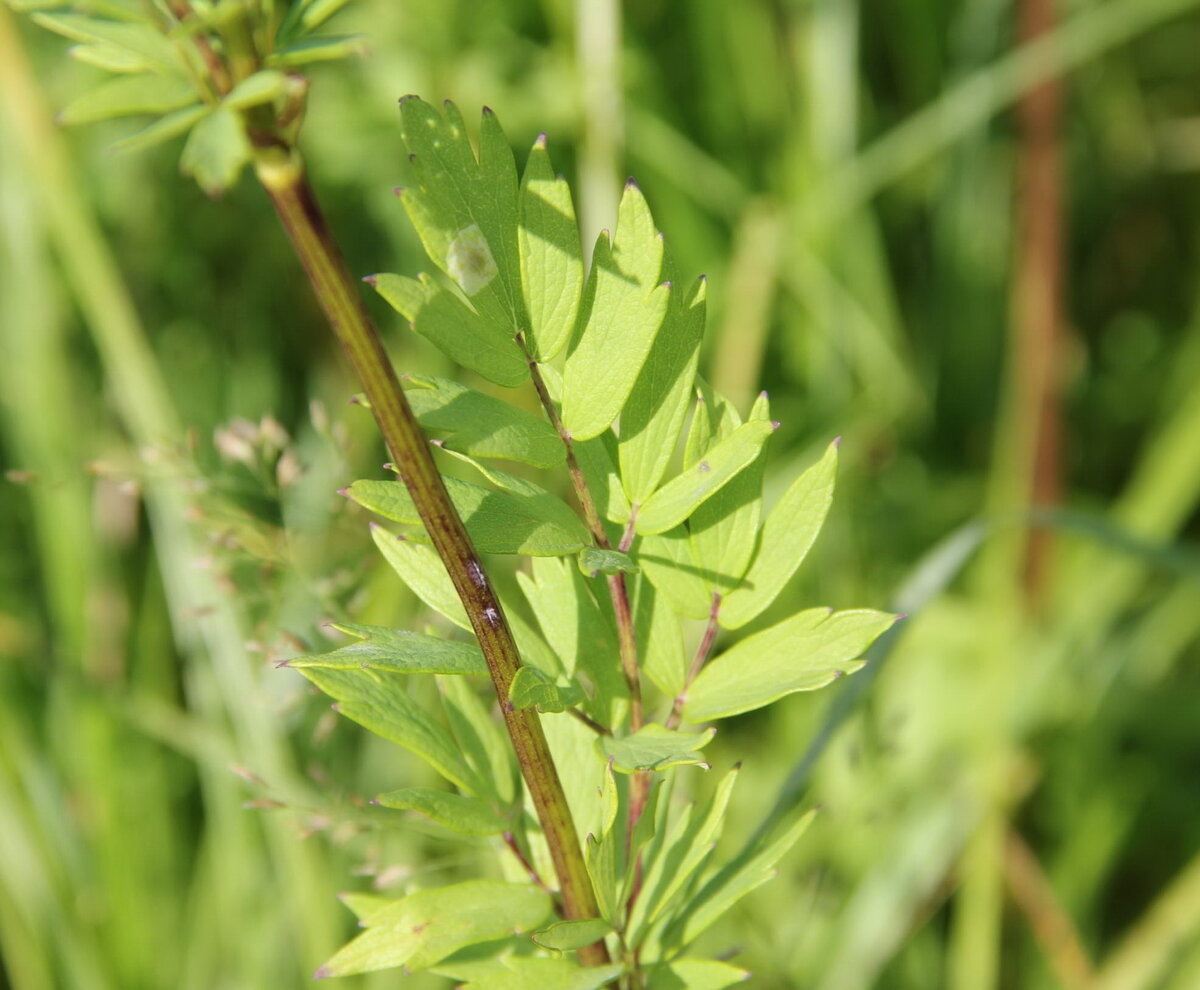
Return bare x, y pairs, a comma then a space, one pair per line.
618, 589
282, 175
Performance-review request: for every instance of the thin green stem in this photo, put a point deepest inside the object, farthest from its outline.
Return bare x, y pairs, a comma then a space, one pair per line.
283, 177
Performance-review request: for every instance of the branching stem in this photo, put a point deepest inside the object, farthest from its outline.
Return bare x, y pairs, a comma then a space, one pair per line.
698, 661
618, 589
282, 174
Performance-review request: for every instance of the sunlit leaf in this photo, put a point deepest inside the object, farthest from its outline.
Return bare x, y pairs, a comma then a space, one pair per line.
624, 306
465, 210
496, 521
397, 651
683, 852
551, 255
653, 415
424, 574
426, 927
802, 653
668, 561
679, 497
787, 535
724, 528
728, 885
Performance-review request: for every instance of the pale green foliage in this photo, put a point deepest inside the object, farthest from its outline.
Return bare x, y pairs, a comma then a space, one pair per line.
164, 68
457, 812
508, 297
402, 652
426, 927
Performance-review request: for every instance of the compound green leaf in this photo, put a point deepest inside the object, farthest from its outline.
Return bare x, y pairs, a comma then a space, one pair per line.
653, 415
424, 928
679, 497
787, 535
565, 936
803, 653
551, 255
457, 812
216, 151
624, 306
380, 703
668, 561
524, 972
696, 974
465, 211
497, 522
129, 96
423, 572
397, 651
480, 425
531, 688
655, 747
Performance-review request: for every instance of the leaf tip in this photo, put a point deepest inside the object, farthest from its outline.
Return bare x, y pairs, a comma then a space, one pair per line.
389, 466
397, 190
283, 663
837, 442
631, 183
540, 141
371, 280
775, 424
344, 491
323, 973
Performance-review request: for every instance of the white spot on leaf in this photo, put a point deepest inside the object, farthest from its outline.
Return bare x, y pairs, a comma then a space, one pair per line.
469, 260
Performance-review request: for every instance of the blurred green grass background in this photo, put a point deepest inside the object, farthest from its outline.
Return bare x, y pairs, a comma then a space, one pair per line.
1010, 799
